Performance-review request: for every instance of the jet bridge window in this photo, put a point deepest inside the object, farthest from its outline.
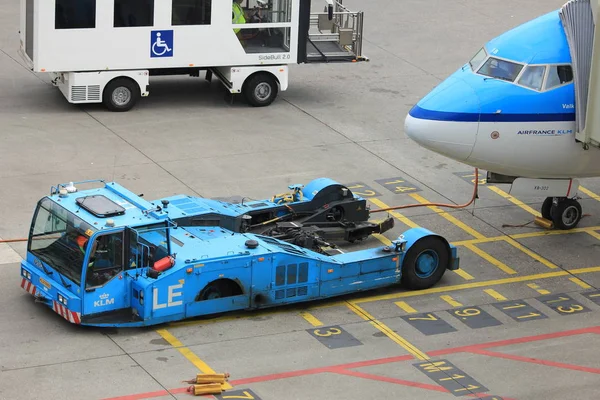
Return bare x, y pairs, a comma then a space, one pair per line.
533, 77
129, 13
191, 12
75, 14
501, 69
558, 75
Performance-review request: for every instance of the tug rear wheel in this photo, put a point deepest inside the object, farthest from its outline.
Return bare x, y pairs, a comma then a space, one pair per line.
425, 263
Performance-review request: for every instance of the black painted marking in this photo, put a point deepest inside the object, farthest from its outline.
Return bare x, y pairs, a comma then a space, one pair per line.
593, 296
470, 177
489, 398
362, 190
429, 324
563, 304
334, 337
238, 394
474, 317
398, 185
520, 311
456, 381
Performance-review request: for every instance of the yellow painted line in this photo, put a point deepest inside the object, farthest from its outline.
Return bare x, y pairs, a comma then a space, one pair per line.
395, 214
491, 259
382, 239
403, 305
463, 274
495, 294
187, 353
387, 331
526, 235
514, 200
536, 287
449, 217
589, 193
580, 283
448, 299
594, 234
584, 270
314, 321
530, 253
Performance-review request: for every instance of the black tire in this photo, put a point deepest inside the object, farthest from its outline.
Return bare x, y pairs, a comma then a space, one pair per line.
547, 209
121, 94
260, 90
215, 290
566, 214
414, 276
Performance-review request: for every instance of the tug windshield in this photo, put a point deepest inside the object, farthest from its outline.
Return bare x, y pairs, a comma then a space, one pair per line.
59, 238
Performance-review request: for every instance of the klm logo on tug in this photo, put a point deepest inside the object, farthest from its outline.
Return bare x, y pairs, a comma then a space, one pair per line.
104, 301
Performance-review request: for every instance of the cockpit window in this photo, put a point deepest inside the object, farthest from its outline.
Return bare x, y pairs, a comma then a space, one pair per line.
477, 59
500, 69
559, 75
533, 77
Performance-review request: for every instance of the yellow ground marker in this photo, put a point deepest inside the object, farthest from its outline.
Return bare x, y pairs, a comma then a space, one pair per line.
537, 288
449, 217
491, 259
514, 200
387, 331
395, 214
594, 234
589, 193
580, 283
448, 299
530, 253
403, 305
495, 294
187, 353
314, 321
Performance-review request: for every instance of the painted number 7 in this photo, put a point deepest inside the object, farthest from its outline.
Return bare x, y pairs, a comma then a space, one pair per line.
246, 396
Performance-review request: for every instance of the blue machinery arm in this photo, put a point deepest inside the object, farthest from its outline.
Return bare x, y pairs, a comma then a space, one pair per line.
211, 269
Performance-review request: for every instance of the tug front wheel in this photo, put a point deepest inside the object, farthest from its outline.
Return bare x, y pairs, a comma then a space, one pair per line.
425, 263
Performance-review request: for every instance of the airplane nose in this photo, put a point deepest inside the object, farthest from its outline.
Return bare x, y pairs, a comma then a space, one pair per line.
446, 121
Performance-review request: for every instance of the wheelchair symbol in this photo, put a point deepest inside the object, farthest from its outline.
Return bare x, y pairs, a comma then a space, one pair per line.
160, 44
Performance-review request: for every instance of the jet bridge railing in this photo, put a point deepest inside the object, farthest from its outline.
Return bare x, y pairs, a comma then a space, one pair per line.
336, 39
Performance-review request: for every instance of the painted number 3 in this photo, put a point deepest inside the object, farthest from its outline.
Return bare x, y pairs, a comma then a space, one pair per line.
330, 331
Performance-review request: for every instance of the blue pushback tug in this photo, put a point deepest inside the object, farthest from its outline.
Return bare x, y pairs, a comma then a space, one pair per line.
104, 256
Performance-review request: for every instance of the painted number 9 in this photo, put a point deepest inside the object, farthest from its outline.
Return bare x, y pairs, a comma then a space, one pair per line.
467, 312
330, 331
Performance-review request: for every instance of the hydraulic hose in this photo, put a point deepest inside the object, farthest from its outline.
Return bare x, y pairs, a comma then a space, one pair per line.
475, 188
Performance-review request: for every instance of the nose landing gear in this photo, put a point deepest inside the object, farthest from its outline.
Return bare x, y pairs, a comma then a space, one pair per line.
565, 213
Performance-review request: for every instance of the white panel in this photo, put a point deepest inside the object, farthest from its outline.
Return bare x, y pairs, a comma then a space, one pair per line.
544, 187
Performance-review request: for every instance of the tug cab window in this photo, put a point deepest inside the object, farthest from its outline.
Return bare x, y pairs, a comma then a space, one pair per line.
533, 77
500, 69
558, 75
75, 14
106, 259
191, 12
128, 13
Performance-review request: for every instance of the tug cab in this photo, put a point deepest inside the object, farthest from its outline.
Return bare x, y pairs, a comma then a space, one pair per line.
106, 51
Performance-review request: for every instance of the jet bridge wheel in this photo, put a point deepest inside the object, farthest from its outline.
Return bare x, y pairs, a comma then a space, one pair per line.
121, 94
425, 263
566, 213
260, 89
